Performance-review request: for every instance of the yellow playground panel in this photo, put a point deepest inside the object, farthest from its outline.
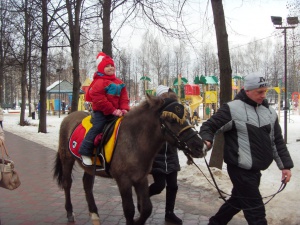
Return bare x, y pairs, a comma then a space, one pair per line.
211, 97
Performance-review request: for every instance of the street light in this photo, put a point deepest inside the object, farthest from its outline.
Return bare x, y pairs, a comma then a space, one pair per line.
59, 71
292, 22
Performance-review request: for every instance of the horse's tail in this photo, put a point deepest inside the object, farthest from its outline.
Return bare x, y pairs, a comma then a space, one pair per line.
58, 172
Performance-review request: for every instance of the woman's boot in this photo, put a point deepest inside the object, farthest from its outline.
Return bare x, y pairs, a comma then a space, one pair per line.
170, 203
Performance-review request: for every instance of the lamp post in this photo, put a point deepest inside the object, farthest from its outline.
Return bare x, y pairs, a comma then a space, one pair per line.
292, 23
59, 71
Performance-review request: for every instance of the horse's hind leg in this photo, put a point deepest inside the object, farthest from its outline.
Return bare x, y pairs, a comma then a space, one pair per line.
67, 185
68, 203
142, 192
63, 174
88, 181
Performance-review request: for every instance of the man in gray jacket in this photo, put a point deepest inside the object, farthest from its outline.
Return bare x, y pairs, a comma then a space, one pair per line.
253, 139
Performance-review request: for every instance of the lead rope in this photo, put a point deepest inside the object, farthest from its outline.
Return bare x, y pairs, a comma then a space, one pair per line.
281, 188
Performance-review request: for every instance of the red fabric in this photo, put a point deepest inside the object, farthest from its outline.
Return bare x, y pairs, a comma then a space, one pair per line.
108, 93
87, 95
76, 140
98, 139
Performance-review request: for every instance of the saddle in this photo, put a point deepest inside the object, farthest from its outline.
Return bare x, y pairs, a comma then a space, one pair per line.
104, 142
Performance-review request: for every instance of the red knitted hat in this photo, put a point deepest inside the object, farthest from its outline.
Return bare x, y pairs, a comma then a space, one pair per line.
102, 61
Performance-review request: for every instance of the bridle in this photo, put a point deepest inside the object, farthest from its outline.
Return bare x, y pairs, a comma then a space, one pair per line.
173, 109
222, 193
181, 141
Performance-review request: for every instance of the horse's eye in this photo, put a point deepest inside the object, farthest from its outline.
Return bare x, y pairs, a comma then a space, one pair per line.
171, 120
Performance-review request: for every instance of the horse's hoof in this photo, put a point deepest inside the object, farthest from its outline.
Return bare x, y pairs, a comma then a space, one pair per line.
95, 219
71, 217
95, 222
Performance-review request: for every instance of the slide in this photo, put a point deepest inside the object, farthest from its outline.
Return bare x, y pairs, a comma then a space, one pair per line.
195, 101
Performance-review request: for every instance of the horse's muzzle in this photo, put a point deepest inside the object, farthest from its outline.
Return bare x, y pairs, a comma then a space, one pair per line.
198, 153
197, 149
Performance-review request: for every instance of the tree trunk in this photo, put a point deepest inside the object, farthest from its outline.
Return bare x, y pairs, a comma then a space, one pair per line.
106, 32
24, 67
29, 87
44, 63
2, 33
75, 46
225, 75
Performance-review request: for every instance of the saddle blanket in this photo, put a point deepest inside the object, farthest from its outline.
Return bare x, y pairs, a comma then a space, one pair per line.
79, 133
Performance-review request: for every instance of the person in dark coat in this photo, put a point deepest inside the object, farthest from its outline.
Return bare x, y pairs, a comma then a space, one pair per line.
252, 141
195, 118
164, 171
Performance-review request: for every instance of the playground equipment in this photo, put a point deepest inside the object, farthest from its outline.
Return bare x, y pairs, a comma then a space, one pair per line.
210, 89
61, 91
188, 92
192, 94
146, 80
236, 85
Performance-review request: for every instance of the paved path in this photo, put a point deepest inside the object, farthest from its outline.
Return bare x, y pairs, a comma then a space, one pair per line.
39, 201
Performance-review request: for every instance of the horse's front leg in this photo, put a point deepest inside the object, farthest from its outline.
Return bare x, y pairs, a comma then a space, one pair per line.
125, 188
88, 188
142, 192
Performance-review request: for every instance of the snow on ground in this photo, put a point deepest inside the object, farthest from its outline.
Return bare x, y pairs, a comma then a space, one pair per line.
283, 209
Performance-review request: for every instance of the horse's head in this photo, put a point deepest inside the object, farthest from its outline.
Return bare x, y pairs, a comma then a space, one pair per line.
178, 130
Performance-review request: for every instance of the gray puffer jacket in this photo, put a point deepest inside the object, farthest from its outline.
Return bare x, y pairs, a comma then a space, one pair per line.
252, 134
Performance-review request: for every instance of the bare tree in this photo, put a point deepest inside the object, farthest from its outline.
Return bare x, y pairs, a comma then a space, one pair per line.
3, 11
107, 40
254, 53
238, 61
44, 63
157, 59
24, 63
74, 8
225, 75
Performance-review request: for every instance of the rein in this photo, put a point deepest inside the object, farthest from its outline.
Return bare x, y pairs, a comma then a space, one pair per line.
222, 193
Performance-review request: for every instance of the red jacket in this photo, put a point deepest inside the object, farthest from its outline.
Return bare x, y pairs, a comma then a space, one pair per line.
107, 93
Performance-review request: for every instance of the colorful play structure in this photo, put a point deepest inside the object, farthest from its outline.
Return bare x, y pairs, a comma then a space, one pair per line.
188, 93
210, 94
61, 91
192, 97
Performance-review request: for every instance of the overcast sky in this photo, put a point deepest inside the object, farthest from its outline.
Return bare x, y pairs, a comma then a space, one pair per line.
252, 18
245, 19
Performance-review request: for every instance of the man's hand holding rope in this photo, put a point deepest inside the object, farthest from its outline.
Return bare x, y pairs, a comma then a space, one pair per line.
286, 175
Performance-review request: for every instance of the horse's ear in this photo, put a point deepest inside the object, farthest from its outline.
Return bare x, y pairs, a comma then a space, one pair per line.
147, 96
170, 90
154, 100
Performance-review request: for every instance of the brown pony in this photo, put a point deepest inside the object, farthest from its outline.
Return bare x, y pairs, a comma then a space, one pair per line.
143, 131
